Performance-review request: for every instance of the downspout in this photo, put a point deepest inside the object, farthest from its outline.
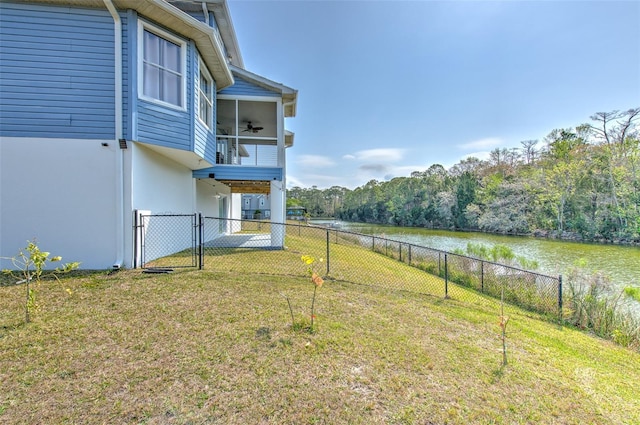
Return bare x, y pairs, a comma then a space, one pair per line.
205, 10
117, 28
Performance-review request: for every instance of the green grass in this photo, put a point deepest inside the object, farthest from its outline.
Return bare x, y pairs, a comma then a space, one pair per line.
632, 292
218, 347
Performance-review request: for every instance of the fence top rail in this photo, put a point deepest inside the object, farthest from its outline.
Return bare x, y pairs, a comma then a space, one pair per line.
251, 220
436, 250
167, 215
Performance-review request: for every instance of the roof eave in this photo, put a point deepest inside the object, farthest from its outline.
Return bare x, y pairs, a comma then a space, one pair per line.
208, 44
288, 138
222, 15
289, 95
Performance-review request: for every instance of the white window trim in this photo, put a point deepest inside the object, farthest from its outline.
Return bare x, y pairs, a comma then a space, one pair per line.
144, 26
207, 75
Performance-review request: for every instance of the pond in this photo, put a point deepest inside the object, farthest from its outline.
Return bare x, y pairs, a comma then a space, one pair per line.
620, 263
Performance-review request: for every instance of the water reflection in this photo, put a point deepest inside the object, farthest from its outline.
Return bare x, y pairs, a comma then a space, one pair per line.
621, 263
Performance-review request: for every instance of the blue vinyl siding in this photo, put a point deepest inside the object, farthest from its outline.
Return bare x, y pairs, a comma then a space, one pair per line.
57, 72
197, 15
205, 139
200, 17
243, 87
163, 125
234, 172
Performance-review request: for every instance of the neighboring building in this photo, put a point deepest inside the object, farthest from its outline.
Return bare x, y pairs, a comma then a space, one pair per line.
256, 207
296, 213
113, 106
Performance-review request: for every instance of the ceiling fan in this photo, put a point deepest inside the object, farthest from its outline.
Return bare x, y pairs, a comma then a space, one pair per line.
251, 128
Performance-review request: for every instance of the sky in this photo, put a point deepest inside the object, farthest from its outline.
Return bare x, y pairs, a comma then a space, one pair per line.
386, 88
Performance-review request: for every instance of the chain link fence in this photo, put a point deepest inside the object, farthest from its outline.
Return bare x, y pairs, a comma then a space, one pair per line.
275, 248
166, 240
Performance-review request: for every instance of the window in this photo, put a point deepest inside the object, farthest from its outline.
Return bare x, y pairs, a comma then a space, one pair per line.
205, 94
162, 67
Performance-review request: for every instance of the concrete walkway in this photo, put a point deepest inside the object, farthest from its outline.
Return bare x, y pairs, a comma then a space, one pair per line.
244, 240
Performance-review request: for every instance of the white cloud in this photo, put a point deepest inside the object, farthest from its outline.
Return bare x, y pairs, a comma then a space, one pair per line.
348, 157
382, 154
374, 168
322, 181
315, 161
482, 144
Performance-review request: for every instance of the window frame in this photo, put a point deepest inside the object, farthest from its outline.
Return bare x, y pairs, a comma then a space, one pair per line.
168, 37
204, 72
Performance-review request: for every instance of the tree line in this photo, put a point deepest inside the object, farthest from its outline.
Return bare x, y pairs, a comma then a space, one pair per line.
577, 183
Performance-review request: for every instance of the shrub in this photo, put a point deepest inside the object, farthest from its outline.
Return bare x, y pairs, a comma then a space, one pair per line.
30, 265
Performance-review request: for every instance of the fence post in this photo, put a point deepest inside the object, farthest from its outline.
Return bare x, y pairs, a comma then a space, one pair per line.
400, 249
135, 239
560, 296
373, 243
327, 252
446, 277
201, 242
409, 253
482, 276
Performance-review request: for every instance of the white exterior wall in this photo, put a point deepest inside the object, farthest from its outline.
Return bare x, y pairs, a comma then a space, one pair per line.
161, 185
213, 202
206, 201
209, 196
61, 192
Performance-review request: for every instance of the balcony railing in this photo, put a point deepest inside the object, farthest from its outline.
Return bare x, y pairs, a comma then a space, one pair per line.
256, 155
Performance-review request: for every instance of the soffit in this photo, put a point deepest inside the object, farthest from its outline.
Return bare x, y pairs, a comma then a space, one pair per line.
248, 186
289, 95
189, 159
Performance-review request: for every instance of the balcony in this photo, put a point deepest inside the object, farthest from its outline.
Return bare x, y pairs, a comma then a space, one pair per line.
256, 154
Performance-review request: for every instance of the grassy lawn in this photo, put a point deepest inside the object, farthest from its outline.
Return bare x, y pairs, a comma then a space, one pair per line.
208, 346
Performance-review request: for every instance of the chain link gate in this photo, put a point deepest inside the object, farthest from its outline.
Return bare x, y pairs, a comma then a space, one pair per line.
165, 241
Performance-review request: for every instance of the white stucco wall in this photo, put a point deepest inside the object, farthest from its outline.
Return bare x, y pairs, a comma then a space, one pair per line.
209, 196
162, 186
63, 194
159, 184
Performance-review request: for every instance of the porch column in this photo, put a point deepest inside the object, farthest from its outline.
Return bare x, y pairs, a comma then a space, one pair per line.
278, 213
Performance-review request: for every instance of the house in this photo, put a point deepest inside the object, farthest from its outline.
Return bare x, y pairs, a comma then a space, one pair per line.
108, 107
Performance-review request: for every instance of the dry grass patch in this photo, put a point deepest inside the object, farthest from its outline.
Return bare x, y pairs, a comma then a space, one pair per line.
211, 347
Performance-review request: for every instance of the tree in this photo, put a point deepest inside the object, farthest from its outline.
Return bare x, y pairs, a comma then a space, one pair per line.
529, 150
31, 263
507, 212
465, 195
616, 131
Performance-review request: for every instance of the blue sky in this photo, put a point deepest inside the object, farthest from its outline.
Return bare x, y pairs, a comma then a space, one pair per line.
391, 87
